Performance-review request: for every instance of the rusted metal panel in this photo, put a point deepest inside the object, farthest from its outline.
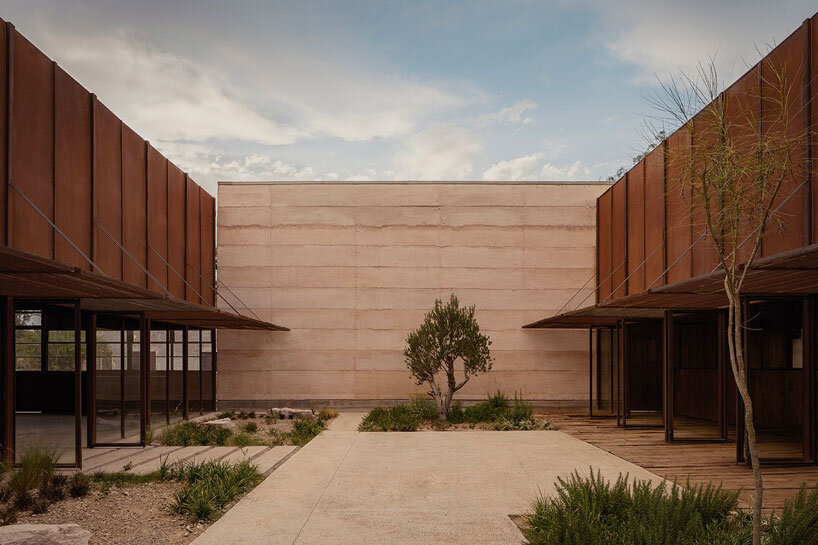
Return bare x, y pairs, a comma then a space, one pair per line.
176, 230
636, 228
32, 151
134, 205
207, 208
704, 254
785, 63
604, 247
192, 230
108, 190
742, 114
619, 241
157, 219
3, 125
655, 217
72, 170
679, 259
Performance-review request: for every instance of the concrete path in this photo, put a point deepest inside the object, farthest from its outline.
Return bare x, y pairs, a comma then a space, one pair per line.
346, 487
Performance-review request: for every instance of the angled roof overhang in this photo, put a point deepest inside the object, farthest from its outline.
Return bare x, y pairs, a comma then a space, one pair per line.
594, 316
28, 276
794, 272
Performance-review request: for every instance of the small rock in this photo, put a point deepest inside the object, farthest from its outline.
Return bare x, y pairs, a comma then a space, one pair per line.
221, 422
44, 534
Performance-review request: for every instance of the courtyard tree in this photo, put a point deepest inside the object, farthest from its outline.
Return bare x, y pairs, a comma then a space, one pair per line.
743, 158
448, 336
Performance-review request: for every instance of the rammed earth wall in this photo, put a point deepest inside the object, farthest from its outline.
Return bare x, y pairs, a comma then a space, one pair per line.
352, 267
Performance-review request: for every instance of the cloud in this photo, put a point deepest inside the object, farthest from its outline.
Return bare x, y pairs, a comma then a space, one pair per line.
520, 168
510, 115
661, 37
441, 152
569, 172
532, 167
167, 97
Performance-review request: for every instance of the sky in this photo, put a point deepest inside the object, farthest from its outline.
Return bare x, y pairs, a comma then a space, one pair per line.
395, 90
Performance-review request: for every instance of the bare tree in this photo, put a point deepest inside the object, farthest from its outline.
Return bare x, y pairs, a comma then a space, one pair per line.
736, 168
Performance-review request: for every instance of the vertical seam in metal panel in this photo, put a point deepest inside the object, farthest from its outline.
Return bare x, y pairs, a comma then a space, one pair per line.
121, 204
184, 254
10, 34
598, 282
54, 158
690, 202
610, 248
664, 211
644, 225
147, 219
93, 174
167, 225
625, 260
806, 101
761, 125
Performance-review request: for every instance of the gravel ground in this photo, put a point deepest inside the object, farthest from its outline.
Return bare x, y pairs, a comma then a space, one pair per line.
134, 515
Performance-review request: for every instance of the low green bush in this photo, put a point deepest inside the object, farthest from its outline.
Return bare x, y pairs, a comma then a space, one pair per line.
326, 414
55, 488
250, 427
79, 485
798, 521
592, 511
423, 407
243, 439
37, 465
397, 418
305, 428
8, 515
194, 434
210, 486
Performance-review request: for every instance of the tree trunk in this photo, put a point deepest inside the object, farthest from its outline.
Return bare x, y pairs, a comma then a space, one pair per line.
735, 324
440, 401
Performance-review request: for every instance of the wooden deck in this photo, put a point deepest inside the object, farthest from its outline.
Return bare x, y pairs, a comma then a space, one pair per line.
698, 462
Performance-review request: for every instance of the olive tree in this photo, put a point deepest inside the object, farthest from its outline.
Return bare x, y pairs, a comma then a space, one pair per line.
739, 175
449, 333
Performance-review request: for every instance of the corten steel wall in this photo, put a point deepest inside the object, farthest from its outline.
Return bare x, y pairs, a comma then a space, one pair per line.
647, 223
92, 176
351, 268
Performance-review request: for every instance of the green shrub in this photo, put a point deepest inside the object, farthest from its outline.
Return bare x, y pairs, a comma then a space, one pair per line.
8, 515
37, 465
54, 489
210, 486
520, 411
593, 511
305, 428
122, 479
798, 522
250, 427
79, 486
39, 505
194, 434
242, 439
397, 418
228, 414
22, 500
327, 414
423, 407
